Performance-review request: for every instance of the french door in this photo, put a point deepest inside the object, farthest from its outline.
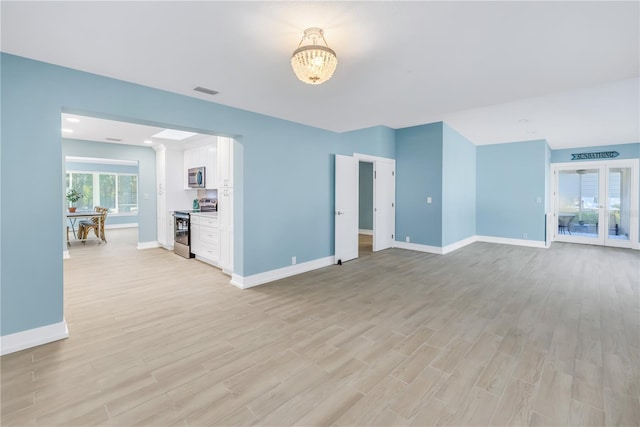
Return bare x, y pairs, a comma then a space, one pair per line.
596, 203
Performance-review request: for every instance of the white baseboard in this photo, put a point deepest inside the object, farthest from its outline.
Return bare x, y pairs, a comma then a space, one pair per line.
365, 231
148, 245
459, 244
126, 225
469, 240
418, 247
65, 254
270, 276
33, 337
516, 242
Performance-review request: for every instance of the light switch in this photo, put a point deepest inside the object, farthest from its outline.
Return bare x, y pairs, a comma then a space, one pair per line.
539, 199
429, 200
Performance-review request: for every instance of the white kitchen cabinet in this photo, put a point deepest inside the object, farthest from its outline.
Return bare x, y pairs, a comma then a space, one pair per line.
206, 156
205, 238
225, 212
225, 162
211, 163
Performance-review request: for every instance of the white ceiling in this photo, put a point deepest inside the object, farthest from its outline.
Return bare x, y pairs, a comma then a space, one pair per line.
116, 132
497, 72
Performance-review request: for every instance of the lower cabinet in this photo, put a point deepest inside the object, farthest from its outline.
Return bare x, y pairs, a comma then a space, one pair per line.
205, 240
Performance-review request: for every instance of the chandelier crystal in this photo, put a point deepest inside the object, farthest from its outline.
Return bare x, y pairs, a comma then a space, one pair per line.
313, 63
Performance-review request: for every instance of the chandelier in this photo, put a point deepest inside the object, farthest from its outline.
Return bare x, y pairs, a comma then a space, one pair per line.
313, 63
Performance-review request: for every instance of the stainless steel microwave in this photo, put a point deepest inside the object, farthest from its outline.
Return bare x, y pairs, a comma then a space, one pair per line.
196, 177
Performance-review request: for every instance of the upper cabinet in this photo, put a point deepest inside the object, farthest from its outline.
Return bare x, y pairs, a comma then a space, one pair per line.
225, 162
206, 156
217, 158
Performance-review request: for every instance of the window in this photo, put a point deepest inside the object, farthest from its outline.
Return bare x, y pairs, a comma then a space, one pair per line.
118, 192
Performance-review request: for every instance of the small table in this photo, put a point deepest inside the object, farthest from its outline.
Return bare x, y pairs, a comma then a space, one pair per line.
73, 218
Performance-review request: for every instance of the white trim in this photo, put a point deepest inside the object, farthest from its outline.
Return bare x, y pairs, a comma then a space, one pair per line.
148, 245
167, 247
280, 273
516, 242
124, 225
372, 159
469, 240
459, 244
65, 254
33, 337
366, 232
418, 247
74, 159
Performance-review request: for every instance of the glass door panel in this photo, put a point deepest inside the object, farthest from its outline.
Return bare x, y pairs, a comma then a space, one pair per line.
579, 206
597, 203
619, 204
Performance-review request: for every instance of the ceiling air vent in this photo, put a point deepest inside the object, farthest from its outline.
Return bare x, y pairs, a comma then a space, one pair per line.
205, 90
113, 139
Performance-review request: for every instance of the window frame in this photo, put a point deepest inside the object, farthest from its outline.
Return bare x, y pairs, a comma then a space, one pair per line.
96, 189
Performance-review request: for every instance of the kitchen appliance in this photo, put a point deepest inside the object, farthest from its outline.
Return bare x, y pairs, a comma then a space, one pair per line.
182, 234
196, 177
208, 205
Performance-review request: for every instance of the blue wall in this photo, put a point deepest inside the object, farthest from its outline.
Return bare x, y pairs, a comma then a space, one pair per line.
365, 197
283, 177
418, 175
146, 171
458, 187
510, 178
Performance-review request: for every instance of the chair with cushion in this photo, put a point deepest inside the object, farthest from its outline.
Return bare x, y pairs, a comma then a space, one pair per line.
96, 224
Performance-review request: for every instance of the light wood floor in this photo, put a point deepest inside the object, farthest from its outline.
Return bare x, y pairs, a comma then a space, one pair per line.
487, 335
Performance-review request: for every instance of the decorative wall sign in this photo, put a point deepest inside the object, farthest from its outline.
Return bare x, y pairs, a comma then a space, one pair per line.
591, 156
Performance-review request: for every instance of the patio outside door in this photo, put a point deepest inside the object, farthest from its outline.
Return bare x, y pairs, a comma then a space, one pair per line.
597, 203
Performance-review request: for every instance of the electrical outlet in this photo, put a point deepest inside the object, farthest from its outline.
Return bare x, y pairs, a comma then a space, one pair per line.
407, 239
525, 235
293, 260
429, 200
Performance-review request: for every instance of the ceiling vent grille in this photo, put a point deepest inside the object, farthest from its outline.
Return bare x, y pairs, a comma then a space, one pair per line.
205, 90
113, 139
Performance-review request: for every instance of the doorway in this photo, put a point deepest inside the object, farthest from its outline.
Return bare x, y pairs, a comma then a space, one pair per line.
596, 203
347, 212
365, 209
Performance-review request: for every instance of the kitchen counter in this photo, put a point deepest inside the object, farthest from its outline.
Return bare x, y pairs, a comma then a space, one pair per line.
213, 215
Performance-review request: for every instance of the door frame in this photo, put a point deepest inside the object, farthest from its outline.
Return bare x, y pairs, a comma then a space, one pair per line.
603, 168
375, 160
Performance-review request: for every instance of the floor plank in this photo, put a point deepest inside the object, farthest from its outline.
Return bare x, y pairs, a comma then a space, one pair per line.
487, 335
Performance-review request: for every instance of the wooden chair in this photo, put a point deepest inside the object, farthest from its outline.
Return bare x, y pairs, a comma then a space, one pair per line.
96, 224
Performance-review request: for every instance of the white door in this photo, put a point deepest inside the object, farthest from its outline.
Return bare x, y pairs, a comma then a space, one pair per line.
596, 203
346, 208
384, 205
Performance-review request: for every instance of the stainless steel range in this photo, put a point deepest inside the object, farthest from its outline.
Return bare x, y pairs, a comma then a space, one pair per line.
182, 234
182, 227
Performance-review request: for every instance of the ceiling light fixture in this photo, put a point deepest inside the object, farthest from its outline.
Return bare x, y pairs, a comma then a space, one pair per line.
313, 63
